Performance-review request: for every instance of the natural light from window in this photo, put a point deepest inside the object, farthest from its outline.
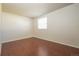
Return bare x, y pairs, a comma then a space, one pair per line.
42, 23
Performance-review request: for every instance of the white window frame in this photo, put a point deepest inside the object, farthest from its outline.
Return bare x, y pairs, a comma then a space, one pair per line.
42, 23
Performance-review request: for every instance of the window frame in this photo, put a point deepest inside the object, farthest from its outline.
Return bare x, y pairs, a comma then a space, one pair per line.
42, 23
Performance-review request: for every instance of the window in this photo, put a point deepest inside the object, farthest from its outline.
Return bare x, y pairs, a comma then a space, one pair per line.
42, 23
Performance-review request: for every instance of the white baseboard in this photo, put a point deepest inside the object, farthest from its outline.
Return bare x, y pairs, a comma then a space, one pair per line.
40, 38
19, 38
76, 46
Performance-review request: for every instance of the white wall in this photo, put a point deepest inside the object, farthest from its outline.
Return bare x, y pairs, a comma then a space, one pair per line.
15, 27
0, 21
63, 26
0, 30
0, 7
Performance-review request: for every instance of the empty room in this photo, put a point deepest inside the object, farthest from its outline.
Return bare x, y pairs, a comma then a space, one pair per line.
39, 29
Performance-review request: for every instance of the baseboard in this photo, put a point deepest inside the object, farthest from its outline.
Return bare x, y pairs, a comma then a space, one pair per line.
34, 46
19, 38
75, 46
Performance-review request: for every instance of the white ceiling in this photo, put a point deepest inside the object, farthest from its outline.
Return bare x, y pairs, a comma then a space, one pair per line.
32, 9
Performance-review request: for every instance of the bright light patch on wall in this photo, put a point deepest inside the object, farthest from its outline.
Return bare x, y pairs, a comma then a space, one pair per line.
21, 23
42, 23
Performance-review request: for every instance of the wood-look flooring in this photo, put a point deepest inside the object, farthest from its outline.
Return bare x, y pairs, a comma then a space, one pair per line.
37, 47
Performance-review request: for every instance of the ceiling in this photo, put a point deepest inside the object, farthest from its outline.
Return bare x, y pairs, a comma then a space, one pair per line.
32, 10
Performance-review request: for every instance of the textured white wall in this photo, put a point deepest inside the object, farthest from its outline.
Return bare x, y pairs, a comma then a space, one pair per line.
63, 26
15, 27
